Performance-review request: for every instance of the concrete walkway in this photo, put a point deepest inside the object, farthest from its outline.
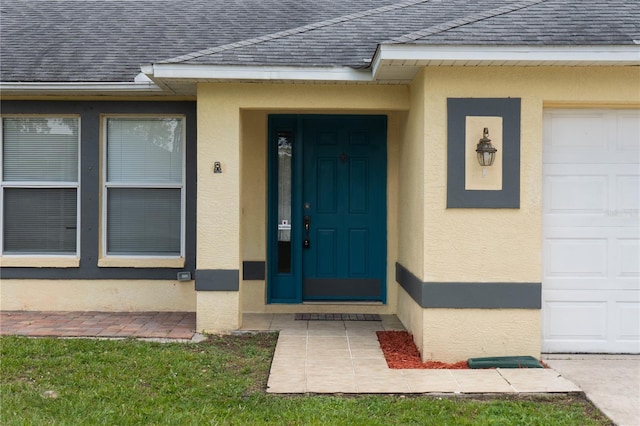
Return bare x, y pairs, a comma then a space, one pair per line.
611, 382
345, 357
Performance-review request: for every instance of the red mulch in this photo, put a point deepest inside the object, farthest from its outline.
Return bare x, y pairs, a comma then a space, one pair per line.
401, 352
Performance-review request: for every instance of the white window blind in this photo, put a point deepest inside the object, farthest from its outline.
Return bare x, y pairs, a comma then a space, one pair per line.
40, 150
144, 150
40, 220
144, 186
40, 185
143, 220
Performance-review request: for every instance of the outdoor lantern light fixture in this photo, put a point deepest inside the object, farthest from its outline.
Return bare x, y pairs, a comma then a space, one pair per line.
485, 150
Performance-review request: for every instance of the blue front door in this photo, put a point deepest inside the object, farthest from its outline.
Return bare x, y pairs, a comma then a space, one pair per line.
332, 243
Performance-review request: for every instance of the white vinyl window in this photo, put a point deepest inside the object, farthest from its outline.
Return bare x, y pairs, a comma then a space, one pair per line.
40, 185
144, 194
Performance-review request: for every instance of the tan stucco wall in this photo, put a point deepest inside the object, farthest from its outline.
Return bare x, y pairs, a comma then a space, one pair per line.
452, 335
254, 185
97, 295
218, 228
217, 311
253, 204
512, 238
411, 235
246, 108
412, 182
411, 314
452, 239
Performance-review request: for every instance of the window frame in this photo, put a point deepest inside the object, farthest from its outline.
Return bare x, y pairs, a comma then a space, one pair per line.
41, 185
106, 185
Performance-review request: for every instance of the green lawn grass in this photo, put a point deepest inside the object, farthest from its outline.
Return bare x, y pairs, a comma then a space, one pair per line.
220, 381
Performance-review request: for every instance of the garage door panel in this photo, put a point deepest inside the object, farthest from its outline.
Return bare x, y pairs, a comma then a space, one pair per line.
628, 129
590, 284
595, 157
627, 321
591, 321
579, 258
578, 320
627, 252
600, 168
628, 194
577, 194
591, 231
587, 284
568, 131
607, 260
616, 235
572, 197
608, 219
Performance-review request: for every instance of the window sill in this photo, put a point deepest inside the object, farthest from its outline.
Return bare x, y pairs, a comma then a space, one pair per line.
19, 261
141, 262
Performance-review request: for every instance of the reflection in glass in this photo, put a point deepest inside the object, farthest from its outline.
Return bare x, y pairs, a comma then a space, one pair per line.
285, 140
40, 149
144, 150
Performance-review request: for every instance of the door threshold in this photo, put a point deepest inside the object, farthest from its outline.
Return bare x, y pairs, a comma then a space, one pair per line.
345, 303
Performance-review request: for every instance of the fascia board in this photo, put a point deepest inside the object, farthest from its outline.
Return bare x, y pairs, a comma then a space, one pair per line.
11, 88
623, 55
231, 72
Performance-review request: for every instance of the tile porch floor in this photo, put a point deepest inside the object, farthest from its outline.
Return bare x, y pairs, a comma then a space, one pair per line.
345, 357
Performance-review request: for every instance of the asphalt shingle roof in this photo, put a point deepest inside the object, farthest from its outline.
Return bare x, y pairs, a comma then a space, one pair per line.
346, 42
546, 22
108, 40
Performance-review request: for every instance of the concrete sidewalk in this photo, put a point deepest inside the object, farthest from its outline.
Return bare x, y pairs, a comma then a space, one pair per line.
611, 382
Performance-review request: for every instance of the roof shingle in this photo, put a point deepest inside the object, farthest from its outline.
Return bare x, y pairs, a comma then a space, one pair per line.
108, 40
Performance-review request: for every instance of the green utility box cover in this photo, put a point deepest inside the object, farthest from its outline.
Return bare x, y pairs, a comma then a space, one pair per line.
504, 362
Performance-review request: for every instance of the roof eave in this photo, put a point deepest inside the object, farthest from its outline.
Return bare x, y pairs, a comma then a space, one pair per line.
391, 63
8, 88
208, 73
390, 59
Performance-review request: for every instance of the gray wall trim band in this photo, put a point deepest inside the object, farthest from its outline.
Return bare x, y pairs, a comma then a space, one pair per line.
457, 111
253, 270
217, 280
453, 295
90, 113
410, 283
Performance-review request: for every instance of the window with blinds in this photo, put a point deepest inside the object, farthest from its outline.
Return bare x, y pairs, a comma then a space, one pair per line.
40, 185
144, 187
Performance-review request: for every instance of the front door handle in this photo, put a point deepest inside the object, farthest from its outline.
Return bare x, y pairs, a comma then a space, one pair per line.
307, 227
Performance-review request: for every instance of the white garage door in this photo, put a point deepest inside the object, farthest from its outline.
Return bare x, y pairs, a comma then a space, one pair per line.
591, 232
